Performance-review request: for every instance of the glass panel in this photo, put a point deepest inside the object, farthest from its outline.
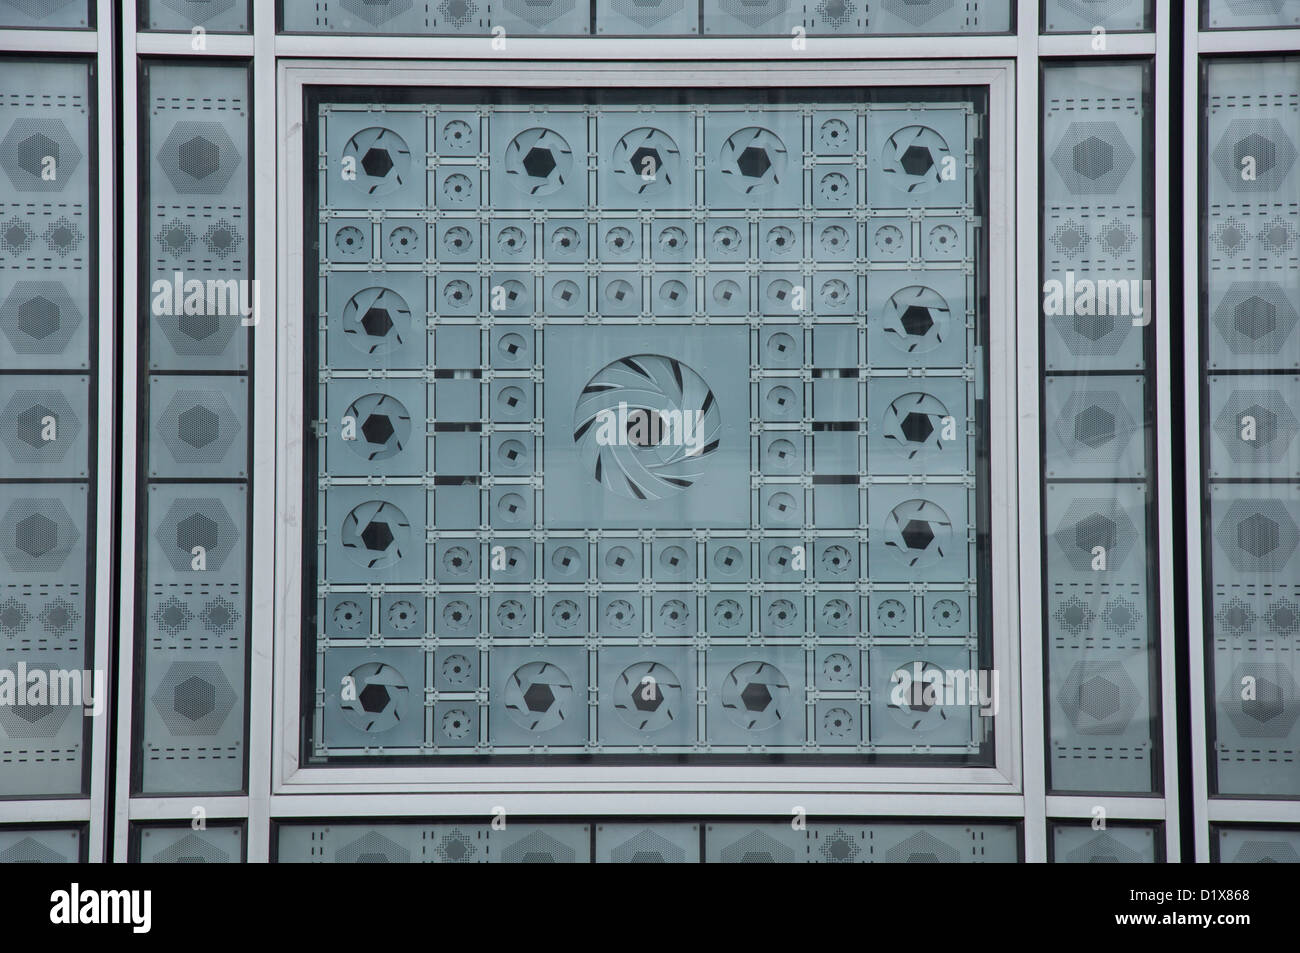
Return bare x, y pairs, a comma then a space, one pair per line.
1250, 397
1250, 844
1096, 16
632, 438
1238, 14
679, 840
48, 432
178, 843
791, 18
1076, 842
46, 14
195, 432
1100, 624
39, 844
196, 16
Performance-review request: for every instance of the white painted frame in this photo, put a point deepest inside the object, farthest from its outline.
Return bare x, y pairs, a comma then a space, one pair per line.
656, 781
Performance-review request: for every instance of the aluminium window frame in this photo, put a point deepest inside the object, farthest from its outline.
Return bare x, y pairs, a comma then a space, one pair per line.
1007, 509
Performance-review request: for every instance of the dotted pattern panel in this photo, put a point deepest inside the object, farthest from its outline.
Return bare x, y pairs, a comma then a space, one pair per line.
195, 16
637, 842
193, 604
28, 844
1079, 843
174, 844
1251, 398
45, 14
505, 18
1252, 844
47, 423
1098, 604
1239, 14
1087, 16
522, 309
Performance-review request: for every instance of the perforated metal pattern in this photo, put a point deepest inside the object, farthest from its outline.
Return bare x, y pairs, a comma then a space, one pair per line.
1255, 844
651, 841
1099, 603
47, 430
628, 438
648, 17
193, 618
1238, 14
45, 14
1080, 843
1097, 16
1250, 410
166, 844
40, 845
195, 16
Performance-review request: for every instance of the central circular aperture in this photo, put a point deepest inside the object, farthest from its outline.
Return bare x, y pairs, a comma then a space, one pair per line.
645, 426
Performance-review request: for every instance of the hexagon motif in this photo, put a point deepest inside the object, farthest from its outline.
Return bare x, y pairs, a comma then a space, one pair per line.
648, 847
1258, 535
1103, 849
34, 721
754, 13
198, 426
39, 317
26, 149
918, 12
199, 158
1275, 424
29, 850
194, 698
1093, 420
647, 13
38, 535
539, 12
538, 847
922, 848
1272, 712
192, 849
1091, 523
538, 696
22, 425
199, 11
1262, 141
372, 848
1093, 158
1099, 698
756, 695
1255, 317
1266, 852
376, 12
757, 847
196, 522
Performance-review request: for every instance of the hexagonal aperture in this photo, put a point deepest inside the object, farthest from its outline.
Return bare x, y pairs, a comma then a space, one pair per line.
1088, 524
376, 12
1093, 158
1094, 420
376, 699
538, 696
1260, 700
1262, 414
756, 695
1258, 535
199, 158
39, 317
1254, 155
918, 13
39, 155
753, 160
1099, 698
1255, 317
38, 535
198, 426
31, 418
538, 161
647, 696
194, 698
188, 524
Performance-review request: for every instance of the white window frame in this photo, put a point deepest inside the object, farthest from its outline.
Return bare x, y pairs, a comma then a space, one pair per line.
1011, 509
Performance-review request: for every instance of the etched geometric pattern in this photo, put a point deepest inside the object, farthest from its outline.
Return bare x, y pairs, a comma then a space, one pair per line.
544, 519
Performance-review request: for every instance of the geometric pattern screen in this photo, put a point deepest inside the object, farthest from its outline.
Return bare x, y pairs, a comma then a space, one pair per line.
1256, 14
788, 18
191, 643
48, 431
1100, 627
617, 841
1085, 16
212, 16
45, 14
646, 424
1251, 423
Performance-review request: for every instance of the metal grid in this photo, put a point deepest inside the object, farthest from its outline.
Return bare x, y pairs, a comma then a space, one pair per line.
590, 587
